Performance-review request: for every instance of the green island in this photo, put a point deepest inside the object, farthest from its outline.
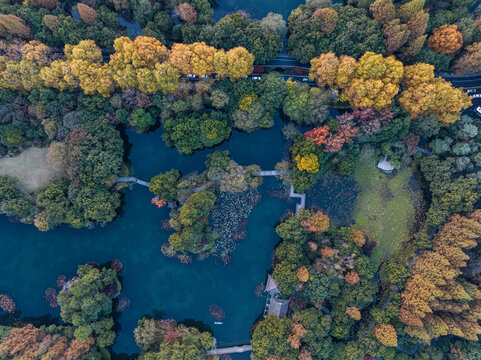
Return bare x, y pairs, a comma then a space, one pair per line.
222, 180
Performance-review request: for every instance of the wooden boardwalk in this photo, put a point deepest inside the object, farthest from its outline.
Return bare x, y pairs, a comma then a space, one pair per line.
230, 350
302, 204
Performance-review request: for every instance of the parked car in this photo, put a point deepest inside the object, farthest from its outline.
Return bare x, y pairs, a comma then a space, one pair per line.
475, 96
256, 78
478, 110
469, 91
305, 79
190, 75
204, 76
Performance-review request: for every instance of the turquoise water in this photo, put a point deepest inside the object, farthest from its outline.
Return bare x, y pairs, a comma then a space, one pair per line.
30, 261
257, 9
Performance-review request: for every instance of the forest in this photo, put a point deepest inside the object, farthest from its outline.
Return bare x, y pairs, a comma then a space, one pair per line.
371, 81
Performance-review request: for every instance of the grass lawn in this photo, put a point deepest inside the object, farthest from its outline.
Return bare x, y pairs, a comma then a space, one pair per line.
31, 168
385, 206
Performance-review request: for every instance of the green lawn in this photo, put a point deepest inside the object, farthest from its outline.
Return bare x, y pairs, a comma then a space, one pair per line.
385, 206
31, 168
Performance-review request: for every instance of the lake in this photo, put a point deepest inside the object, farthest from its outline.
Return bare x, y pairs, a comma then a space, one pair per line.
30, 261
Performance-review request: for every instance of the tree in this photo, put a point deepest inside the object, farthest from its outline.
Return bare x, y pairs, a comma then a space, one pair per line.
275, 23
417, 24
446, 39
407, 10
46, 4
165, 339
270, 339
435, 302
88, 302
316, 223
423, 94
87, 14
383, 11
11, 24
353, 313
142, 119
187, 12
470, 61
239, 62
165, 184
12, 201
324, 69
180, 58
386, 334
329, 17
396, 35
191, 222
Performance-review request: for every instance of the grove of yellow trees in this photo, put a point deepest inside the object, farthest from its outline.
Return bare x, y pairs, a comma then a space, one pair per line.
375, 81
144, 64
436, 301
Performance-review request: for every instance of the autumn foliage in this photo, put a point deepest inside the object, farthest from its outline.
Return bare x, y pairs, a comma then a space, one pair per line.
87, 14
302, 274
309, 163
317, 223
29, 342
436, 301
352, 277
46, 4
144, 64
373, 81
296, 334
425, 94
446, 39
358, 237
470, 61
386, 334
187, 12
11, 24
353, 313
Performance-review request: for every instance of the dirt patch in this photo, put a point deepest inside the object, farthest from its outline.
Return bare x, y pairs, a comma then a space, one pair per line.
31, 168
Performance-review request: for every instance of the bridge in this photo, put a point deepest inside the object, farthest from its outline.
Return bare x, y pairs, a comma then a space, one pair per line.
230, 350
132, 180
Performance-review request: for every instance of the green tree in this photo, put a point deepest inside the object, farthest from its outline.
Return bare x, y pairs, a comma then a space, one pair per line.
165, 184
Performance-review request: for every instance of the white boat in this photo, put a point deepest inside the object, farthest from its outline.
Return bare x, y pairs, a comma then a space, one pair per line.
218, 323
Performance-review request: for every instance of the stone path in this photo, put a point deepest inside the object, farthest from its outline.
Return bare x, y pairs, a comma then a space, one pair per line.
302, 204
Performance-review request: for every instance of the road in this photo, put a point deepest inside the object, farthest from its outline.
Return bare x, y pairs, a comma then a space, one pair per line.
285, 61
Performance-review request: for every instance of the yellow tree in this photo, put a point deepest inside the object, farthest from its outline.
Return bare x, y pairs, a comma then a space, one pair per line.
324, 69
423, 94
375, 83
167, 77
386, 334
202, 58
58, 75
221, 64
180, 58
147, 51
239, 62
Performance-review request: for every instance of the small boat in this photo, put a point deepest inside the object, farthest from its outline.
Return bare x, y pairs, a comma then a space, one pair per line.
218, 323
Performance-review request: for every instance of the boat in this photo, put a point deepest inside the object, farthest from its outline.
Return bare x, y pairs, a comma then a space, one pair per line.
218, 323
